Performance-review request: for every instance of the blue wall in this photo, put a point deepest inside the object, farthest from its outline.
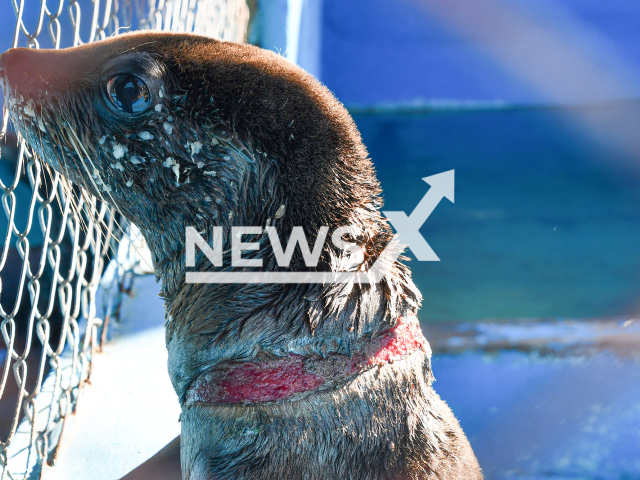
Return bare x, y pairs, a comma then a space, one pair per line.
377, 51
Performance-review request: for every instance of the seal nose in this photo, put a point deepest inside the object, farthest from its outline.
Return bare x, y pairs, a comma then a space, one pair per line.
16, 65
32, 70
3, 61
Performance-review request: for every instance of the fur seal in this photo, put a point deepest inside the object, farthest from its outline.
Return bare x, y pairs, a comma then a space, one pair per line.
276, 381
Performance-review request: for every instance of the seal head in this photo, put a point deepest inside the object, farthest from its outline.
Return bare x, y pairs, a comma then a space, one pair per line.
275, 380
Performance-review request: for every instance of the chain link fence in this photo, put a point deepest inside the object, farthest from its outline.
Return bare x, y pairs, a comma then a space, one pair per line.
61, 244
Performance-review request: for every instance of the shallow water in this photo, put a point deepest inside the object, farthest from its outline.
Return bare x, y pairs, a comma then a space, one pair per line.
546, 223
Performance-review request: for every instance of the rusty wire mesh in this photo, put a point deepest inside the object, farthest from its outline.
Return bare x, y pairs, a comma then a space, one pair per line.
50, 325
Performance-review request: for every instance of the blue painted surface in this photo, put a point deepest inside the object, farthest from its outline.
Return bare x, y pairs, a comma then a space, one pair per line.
375, 51
392, 52
310, 39
545, 223
292, 28
272, 33
530, 418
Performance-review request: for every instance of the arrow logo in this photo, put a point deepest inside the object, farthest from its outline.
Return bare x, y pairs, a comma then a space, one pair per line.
407, 227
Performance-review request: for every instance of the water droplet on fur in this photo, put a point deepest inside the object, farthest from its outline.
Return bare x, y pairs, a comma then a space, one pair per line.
196, 147
119, 151
29, 110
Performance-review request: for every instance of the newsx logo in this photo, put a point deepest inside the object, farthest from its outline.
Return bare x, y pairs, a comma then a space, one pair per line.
406, 226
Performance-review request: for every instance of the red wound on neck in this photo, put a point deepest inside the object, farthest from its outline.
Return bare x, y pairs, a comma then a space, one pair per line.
270, 381
401, 340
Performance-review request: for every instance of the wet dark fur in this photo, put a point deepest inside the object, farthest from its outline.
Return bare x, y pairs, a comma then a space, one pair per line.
273, 136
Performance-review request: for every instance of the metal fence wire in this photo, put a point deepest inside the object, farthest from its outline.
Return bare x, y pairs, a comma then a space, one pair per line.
61, 244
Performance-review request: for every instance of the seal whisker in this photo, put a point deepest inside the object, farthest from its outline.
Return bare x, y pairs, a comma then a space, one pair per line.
68, 189
5, 120
81, 158
46, 169
113, 202
94, 214
84, 165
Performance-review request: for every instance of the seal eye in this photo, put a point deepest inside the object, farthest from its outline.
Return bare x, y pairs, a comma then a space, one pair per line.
128, 93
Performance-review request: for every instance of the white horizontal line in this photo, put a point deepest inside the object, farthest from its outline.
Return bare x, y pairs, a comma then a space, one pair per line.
279, 277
